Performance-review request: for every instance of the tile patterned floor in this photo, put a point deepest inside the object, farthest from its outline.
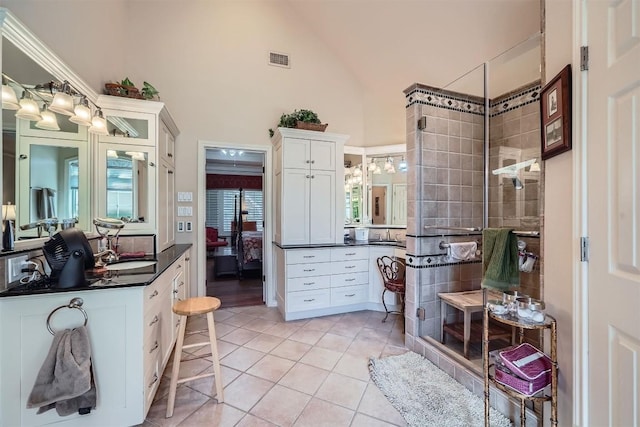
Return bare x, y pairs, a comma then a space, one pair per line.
311, 372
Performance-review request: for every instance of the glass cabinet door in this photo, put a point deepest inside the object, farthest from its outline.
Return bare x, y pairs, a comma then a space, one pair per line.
127, 185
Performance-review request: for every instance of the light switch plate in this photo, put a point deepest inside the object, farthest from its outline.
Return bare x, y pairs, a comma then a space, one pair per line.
185, 196
180, 226
185, 211
188, 227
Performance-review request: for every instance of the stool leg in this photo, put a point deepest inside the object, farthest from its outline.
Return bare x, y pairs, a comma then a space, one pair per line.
177, 355
215, 357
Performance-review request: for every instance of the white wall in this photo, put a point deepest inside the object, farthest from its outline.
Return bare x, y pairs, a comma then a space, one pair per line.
558, 213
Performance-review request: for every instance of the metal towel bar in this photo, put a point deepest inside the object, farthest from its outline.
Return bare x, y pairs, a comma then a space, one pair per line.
74, 303
445, 245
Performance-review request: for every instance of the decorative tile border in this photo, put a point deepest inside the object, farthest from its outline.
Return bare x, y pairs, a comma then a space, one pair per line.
434, 260
514, 100
444, 99
441, 98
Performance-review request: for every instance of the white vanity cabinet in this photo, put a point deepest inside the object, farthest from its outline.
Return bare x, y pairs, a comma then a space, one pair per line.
320, 281
132, 331
308, 188
143, 133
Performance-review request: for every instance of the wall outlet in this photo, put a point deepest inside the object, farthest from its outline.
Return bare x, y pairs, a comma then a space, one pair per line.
14, 267
180, 226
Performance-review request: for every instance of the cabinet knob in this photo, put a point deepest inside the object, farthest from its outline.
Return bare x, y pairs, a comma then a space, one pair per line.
152, 164
187, 259
155, 347
155, 320
308, 176
350, 295
313, 161
313, 176
169, 155
170, 172
309, 300
307, 161
153, 294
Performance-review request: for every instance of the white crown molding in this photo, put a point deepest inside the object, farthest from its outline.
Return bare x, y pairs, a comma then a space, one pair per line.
139, 106
18, 34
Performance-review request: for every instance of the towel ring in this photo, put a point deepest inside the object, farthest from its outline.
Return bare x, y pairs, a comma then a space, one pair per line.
74, 303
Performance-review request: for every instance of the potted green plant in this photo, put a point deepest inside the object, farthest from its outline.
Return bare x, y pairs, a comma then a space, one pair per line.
301, 119
148, 91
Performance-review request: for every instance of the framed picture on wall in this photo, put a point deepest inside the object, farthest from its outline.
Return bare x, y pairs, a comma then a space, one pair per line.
555, 115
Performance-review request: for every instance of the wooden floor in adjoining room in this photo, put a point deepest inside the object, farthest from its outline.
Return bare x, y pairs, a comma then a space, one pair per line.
232, 291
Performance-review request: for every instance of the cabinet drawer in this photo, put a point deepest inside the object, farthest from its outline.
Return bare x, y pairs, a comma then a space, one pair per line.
349, 295
150, 383
308, 256
309, 270
308, 300
338, 280
355, 266
308, 283
345, 254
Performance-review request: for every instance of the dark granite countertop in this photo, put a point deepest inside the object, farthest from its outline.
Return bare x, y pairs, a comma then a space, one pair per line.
348, 243
105, 279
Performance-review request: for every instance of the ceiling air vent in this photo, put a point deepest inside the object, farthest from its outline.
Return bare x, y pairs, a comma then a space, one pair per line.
279, 59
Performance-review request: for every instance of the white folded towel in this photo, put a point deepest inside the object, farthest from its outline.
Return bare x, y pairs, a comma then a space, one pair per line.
464, 251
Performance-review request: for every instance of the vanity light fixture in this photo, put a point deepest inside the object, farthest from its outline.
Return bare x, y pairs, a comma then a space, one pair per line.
29, 109
535, 167
62, 102
377, 170
48, 121
82, 113
372, 166
388, 164
98, 124
9, 98
402, 165
136, 155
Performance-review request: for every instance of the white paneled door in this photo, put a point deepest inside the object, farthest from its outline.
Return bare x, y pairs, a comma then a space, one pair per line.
613, 162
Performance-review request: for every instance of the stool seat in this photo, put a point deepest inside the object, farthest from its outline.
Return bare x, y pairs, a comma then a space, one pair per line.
193, 306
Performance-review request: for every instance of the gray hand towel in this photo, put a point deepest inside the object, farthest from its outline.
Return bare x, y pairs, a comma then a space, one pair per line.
65, 380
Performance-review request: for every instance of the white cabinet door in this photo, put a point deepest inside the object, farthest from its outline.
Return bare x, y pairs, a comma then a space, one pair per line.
323, 155
166, 206
322, 219
296, 153
295, 206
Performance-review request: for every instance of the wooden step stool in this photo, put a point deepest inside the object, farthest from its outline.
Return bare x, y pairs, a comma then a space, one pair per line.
186, 308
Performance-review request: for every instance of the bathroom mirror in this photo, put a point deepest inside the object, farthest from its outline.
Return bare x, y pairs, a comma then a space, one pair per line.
127, 183
45, 172
387, 188
354, 179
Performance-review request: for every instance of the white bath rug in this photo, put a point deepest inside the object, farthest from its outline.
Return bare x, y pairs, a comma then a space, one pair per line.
426, 396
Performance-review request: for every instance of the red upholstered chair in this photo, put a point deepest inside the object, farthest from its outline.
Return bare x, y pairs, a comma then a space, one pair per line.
213, 240
392, 271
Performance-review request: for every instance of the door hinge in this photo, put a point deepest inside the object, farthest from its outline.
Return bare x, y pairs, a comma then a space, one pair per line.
584, 58
584, 249
420, 313
263, 169
264, 278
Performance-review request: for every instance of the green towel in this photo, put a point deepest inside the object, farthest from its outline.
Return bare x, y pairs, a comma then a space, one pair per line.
499, 259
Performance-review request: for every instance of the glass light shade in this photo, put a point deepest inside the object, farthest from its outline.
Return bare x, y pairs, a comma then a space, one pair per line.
535, 167
98, 124
29, 110
402, 166
82, 114
62, 103
388, 164
357, 171
9, 98
9, 212
377, 170
392, 169
48, 121
372, 166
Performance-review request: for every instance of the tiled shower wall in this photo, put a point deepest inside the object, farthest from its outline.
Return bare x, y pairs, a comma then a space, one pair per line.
445, 188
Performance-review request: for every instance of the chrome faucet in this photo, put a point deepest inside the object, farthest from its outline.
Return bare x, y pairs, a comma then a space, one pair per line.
106, 256
388, 236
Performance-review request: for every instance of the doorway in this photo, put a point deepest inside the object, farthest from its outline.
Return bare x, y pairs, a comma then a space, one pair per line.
234, 206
